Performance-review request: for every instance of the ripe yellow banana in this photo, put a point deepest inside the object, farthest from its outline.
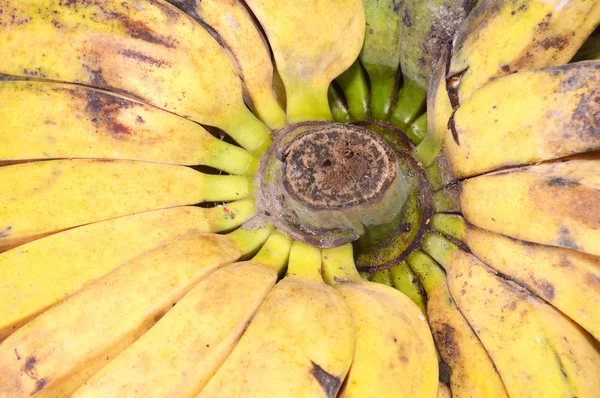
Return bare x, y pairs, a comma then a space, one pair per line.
145, 49
537, 350
44, 272
56, 121
551, 113
565, 278
312, 42
44, 197
526, 35
58, 351
472, 372
395, 353
238, 32
555, 204
299, 344
179, 354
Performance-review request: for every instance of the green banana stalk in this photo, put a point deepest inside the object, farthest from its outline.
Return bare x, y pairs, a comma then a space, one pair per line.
382, 277
339, 109
405, 280
380, 54
354, 86
410, 104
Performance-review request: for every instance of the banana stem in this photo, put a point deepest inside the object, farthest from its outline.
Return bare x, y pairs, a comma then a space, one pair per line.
231, 215
410, 104
305, 262
439, 174
405, 281
451, 225
428, 149
354, 85
338, 265
275, 252
429, 272
249, 241
339, 110
440, 248
383, 86
382, 277
248, 131
447, 200
417, 129
307, 101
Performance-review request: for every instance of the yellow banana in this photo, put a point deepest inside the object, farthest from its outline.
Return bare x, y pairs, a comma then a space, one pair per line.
145, 49
43, 120
44, 197
250, 53
395, 353
299, 344
472, 372
551, 113
312, 42
526, 35
533, 358
57, 352
179, 354
565, 278
554, 204
44, 272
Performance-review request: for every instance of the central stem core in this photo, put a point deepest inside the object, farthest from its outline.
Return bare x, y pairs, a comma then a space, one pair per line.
325, 183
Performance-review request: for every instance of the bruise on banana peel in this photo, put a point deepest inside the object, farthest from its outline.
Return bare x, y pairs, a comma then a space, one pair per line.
556, 204
144, 49
71, 121
551, 113
542, 33
558, 275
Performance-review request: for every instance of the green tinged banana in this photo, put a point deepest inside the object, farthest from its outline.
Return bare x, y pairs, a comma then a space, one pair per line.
404, 279
410, 104
339, 109
353, 84
380, 54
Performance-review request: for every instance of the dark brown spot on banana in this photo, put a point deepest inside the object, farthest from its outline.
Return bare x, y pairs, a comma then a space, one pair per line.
444, 335
39, 384
565, 240
444, 372
104, 110
329, 383
159, 63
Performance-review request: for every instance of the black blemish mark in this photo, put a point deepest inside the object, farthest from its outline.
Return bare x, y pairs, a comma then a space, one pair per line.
405, 227
140, 120
452, 127
564, 239
444, 336
159, 63
96, 77
444, 373
545, 23
548, 291
104, 109
561, 182
328, 382
397, 6
505, 68
406, 19
187, 6
29, 364
139, 30
39, 384
17, 354
5, 233
556, 42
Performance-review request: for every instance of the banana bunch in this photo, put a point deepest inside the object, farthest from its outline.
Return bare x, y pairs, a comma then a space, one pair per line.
139, 253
